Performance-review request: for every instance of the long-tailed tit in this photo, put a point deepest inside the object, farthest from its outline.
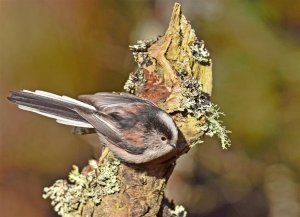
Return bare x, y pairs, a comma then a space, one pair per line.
134, 129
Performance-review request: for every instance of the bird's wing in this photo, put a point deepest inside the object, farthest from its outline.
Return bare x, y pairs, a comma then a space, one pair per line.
117, 118
104, 101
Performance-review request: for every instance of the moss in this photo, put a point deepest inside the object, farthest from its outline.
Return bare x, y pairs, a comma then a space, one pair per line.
69, 197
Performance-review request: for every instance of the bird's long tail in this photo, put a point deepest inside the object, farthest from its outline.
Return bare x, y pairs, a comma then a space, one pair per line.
61, 108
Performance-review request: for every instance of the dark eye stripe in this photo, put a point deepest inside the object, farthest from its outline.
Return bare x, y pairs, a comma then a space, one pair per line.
163, 129
147, 117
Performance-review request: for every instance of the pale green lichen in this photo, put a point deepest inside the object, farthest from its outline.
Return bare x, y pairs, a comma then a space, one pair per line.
141, 57
142, 45
197, 104
140, 52
179, 211
69, 197
134, 79
200, 53
214, 126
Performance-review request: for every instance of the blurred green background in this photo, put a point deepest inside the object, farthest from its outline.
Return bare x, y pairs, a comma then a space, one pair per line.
75, 47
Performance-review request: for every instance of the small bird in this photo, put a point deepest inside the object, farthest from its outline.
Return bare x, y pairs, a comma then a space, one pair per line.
134, 129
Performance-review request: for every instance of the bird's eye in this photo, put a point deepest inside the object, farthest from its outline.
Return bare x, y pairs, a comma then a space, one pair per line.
163, 138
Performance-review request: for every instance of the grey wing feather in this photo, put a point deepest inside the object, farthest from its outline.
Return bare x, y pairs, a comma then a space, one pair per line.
102, 125
111, 109
109, 100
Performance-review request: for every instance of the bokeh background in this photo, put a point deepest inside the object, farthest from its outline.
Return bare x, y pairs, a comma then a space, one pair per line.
74, 47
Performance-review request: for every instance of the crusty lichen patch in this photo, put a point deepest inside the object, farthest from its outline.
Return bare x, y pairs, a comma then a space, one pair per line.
200, 53
139, 51
134, 80
69, 197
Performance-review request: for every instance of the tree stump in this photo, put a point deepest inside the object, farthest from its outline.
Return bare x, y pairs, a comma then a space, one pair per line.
175, 72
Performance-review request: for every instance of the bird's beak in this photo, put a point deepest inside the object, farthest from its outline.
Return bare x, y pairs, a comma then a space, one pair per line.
173, 145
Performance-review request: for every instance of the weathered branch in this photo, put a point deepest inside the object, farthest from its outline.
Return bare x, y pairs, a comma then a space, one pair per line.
174, 71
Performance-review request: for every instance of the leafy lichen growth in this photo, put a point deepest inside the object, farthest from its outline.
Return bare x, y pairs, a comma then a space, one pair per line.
179, 211
214, 126
69, 197
197, 104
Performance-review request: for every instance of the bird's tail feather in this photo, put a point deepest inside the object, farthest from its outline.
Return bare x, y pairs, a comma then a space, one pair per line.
61, 108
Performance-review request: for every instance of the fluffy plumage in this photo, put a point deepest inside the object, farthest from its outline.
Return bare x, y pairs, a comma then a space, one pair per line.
136, 130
